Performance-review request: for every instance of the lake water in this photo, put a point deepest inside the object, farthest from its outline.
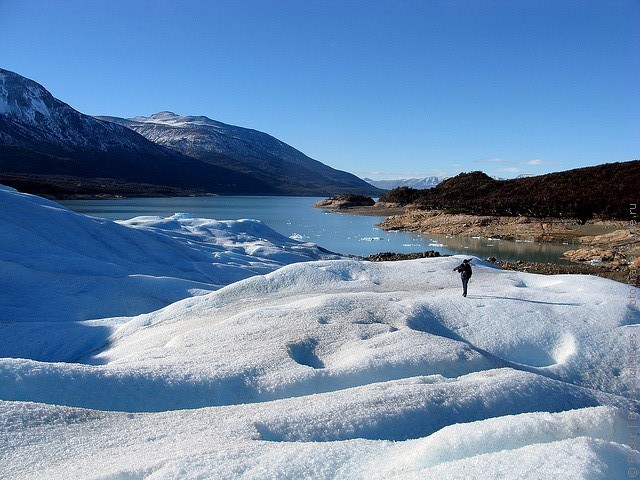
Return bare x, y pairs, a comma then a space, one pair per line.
338, 232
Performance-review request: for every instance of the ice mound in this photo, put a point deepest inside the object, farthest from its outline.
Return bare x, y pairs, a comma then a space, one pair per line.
59, 266
326, 369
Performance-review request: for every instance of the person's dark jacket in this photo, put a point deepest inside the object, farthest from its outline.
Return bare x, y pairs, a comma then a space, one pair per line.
465, 269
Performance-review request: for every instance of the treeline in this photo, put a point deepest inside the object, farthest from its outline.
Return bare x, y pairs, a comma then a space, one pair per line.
604, 191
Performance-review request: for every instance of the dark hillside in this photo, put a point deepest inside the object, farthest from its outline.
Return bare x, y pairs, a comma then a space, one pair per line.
603, 191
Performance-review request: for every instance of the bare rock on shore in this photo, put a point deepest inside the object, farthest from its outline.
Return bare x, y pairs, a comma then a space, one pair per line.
595, 254
520, 228
624, 241
391, 206
340, 202
617, 238
619, 247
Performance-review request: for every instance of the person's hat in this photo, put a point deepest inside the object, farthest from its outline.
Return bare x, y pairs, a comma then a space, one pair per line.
466, 260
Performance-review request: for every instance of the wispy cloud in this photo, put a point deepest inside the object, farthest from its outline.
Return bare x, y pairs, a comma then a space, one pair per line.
537, 161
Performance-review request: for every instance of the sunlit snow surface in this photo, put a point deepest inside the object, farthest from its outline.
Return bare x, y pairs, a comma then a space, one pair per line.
330, 368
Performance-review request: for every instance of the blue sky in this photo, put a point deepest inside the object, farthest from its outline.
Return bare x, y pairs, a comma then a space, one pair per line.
384, 89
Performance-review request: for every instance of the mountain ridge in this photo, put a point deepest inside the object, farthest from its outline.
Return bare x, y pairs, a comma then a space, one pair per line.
244, 150
44, 138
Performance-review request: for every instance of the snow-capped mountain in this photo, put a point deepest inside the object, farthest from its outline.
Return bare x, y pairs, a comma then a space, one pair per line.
245, 150
31, 117
417, 183
199, 135
44, 137
45, 141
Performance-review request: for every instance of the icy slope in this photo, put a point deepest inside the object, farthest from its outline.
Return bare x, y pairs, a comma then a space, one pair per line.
328, 369
59, 266
343, 369
67, 267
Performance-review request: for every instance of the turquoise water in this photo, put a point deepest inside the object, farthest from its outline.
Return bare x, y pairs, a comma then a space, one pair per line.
294, 217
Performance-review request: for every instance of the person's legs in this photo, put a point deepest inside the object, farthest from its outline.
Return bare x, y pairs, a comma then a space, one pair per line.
465, 281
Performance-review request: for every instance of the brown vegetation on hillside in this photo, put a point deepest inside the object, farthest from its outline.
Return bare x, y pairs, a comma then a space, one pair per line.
604, 192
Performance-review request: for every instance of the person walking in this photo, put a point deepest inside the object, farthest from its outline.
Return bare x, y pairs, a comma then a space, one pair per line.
465, 274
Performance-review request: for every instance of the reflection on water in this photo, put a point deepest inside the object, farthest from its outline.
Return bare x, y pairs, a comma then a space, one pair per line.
501, 249
294, 217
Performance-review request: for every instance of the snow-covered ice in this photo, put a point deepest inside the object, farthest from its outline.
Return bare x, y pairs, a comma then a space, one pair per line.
297, 363
60, 266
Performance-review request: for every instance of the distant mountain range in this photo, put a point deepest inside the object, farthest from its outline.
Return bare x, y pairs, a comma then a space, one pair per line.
422, 183
417, 183
47, 147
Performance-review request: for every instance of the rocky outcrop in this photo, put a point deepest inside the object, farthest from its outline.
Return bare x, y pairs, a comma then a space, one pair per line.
591, 255
617, 248
623, 238
340, 202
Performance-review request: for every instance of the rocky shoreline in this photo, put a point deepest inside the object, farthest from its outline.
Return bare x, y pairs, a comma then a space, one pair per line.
607, 243
507, 228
